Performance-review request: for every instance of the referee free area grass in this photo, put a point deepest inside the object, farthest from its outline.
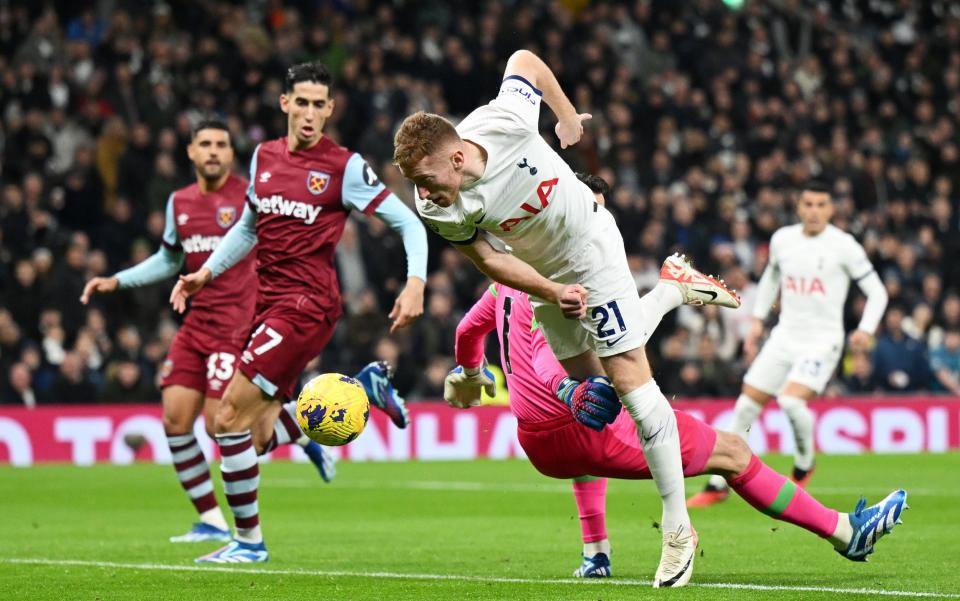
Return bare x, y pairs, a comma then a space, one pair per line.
458, 530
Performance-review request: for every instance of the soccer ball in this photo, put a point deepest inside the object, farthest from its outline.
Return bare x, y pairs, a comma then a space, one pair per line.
332, 409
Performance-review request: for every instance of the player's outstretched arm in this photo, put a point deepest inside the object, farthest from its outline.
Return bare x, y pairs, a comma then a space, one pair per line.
363, 191
877, 299
507, 269
479, 321
409, 304
531, 67
159, 266
164, 263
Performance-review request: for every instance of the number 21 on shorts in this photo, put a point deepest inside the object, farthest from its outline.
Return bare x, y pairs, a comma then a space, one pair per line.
608, 314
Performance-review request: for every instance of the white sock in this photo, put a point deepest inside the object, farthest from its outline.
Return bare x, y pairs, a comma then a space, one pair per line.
660, 439
600, 546
801, 418
745, 412
214, 517
303, 441
657, 303
249, 535
844, 532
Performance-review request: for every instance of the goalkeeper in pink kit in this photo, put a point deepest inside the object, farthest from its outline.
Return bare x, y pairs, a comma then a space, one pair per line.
571, 429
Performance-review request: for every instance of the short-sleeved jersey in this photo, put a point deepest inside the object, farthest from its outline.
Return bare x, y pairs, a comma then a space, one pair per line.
526, 359
527, 196
814, 274
196, 223
302, 199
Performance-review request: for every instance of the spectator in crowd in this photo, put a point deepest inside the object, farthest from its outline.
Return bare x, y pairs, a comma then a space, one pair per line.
73, 383
900, 361
20, 389
945, 363
860, 380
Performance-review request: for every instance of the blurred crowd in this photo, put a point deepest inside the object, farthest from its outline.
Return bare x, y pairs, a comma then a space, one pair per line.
705, 122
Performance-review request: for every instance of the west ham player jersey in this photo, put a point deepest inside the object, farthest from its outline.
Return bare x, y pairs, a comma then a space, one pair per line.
527, 196
196, 223
302, 199
814, 274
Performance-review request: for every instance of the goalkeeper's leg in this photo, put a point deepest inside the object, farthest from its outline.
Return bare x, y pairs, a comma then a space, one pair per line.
591, 496
767, 490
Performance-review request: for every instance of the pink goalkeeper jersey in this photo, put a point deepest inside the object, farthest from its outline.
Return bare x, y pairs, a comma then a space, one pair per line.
532, 372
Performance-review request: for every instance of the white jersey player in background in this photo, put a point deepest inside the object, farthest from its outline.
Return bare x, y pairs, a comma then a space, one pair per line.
812, 264
494, 172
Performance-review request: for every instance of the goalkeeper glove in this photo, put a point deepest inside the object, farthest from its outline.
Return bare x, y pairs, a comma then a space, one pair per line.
461, 387
593, 402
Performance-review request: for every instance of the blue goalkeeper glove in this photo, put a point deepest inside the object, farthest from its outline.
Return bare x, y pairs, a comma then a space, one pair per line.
593, 402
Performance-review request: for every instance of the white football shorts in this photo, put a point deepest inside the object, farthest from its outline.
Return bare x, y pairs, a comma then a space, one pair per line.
789, 357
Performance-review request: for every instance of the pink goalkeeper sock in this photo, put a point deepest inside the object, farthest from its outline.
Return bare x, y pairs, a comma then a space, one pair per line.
781, 499
591, 498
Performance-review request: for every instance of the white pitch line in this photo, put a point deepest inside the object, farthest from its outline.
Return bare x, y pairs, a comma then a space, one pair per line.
463, 578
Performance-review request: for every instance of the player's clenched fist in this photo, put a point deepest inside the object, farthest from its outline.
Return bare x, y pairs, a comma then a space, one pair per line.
462, 386
573, 301
593, 402
187, 286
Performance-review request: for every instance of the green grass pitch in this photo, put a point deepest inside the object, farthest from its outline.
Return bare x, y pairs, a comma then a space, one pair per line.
459, 530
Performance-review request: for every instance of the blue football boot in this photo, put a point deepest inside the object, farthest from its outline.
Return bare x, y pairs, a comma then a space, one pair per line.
870, 524
237, 552
202, 532
375, 378
597, 566
325, 462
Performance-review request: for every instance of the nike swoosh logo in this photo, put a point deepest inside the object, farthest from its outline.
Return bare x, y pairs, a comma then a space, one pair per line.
713, 295
481, 218
654, 435
614, 341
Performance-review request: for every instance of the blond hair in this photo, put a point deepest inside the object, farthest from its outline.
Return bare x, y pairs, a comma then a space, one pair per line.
421, 134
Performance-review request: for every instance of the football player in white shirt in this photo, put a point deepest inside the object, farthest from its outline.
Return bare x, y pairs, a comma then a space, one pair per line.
812, 264
494, 172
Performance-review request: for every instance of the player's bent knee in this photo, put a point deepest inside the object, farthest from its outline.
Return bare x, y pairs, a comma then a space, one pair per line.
227, 417
174, 425
731, 455
756, 395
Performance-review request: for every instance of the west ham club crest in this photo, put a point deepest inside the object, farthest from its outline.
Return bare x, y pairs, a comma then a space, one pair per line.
317, 182
226, 216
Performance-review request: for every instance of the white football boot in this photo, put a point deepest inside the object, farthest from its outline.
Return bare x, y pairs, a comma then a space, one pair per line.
676, 558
